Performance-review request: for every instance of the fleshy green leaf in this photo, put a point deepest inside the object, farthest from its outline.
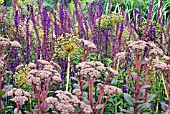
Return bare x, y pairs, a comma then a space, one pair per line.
129, 99
143, 107
150, 97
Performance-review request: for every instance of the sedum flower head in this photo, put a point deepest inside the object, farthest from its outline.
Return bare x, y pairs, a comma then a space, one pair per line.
66, 103
91, 69
20, 96
110, 90
47, 71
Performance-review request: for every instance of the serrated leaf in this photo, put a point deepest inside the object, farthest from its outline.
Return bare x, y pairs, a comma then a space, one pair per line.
143, 107
150, 97
129, 99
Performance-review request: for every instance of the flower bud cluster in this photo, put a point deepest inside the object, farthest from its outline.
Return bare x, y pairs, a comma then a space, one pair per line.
6, 42
66, 103
90, 46
48, 71
91, 69
110, 90
20, 96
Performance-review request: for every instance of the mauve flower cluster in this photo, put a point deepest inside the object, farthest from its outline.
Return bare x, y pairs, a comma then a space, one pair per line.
65, 103
90, 46
91, 69
160, 65
6, 42
47, 71
110, 90
121, 55
142, 45
134, 45
20, 95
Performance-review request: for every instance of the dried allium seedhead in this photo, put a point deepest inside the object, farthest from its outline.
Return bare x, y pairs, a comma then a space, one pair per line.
121, 55
68, 44
77, 92
90, 46
16, 44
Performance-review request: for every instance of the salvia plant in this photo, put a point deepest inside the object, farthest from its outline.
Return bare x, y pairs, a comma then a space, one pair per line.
84, 57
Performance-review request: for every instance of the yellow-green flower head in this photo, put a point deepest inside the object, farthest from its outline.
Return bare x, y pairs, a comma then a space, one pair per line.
20, 76
115, 18
157, 27
106, 21
67, 44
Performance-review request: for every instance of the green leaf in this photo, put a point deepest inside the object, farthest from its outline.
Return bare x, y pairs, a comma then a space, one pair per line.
129, 99
146, 87
2, 92
150, 97
6, 108
143, 107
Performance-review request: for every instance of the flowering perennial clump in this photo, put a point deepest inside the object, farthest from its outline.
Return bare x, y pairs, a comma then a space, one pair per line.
65, 102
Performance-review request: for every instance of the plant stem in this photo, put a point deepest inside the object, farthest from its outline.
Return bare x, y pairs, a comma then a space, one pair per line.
166, 92
68, 72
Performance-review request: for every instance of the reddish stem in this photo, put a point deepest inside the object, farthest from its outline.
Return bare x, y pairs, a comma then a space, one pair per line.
90, 92
107, 99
